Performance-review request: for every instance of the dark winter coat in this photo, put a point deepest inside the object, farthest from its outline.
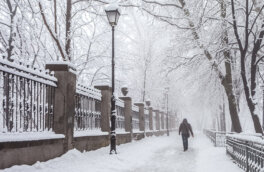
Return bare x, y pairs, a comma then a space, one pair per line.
185, 128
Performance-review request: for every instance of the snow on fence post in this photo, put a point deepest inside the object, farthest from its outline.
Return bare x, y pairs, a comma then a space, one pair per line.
141, 116
64, 103
150, 118
105, 106
127, 113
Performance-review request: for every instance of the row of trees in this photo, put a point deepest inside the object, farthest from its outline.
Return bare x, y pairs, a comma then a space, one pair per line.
228, 36
36, 32
201, 45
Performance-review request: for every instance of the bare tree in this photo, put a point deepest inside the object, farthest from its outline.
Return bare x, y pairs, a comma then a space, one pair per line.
244, 40
225, 79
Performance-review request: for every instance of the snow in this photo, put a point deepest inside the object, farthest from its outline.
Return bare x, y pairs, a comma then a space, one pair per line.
135, 108
29, 74
112, 7
137, 131
89, 133
120, 103
121, 131
257, 138
160, 154
15, 137
88, 91
41, 73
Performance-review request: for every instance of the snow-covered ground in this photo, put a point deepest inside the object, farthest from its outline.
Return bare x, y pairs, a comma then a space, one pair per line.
155, 154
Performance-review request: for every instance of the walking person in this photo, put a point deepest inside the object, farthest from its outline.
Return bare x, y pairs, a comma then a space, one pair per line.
185, 130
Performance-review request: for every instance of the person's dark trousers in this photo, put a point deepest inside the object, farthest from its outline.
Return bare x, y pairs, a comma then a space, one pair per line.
185, 141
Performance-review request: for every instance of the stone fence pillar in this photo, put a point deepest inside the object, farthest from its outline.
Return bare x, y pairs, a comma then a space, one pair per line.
105, 106
128, 113
150, 118
170, 122
64, 103
162, 120
157, 119
141, 116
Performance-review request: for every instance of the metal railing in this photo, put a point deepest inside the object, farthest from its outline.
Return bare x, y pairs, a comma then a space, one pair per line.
120, 114
87, 108
217, 137
249, 155
135, 117
26, 98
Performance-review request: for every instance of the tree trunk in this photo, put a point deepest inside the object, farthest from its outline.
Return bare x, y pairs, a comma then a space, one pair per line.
232, 106
11, 34
223, 119
249, 91
227, 79
227, 82
68, 30
144, 84
249, 100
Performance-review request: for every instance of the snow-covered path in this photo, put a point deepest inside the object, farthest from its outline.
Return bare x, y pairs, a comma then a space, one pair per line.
155, 154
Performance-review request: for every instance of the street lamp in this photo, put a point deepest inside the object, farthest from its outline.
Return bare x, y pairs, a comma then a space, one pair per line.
262, 87
112, 11
167, 116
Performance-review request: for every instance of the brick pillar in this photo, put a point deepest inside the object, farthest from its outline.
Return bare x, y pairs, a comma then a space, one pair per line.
141, 116
150, 118
162, 120
64, 103
157, 119
128, 113
170, 123
165, 121
105, 106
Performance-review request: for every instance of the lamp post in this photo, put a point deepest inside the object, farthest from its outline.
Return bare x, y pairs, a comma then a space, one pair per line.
167, 116
263, 106
113, 13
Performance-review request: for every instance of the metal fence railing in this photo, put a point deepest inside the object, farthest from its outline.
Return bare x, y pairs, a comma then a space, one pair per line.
26, 98
87, 108
218, 138
248, 154
120, 114
135, 117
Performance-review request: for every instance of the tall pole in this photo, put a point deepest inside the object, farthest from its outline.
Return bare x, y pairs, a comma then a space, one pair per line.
113, 101
263, 108
168, 133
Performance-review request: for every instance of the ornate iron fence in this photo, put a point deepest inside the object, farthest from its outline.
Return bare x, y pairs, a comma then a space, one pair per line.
120, 114
135, 117
249, 155
87, 108
218, 138
27, 98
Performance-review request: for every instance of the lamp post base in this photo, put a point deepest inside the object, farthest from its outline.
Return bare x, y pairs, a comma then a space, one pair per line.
113, 144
